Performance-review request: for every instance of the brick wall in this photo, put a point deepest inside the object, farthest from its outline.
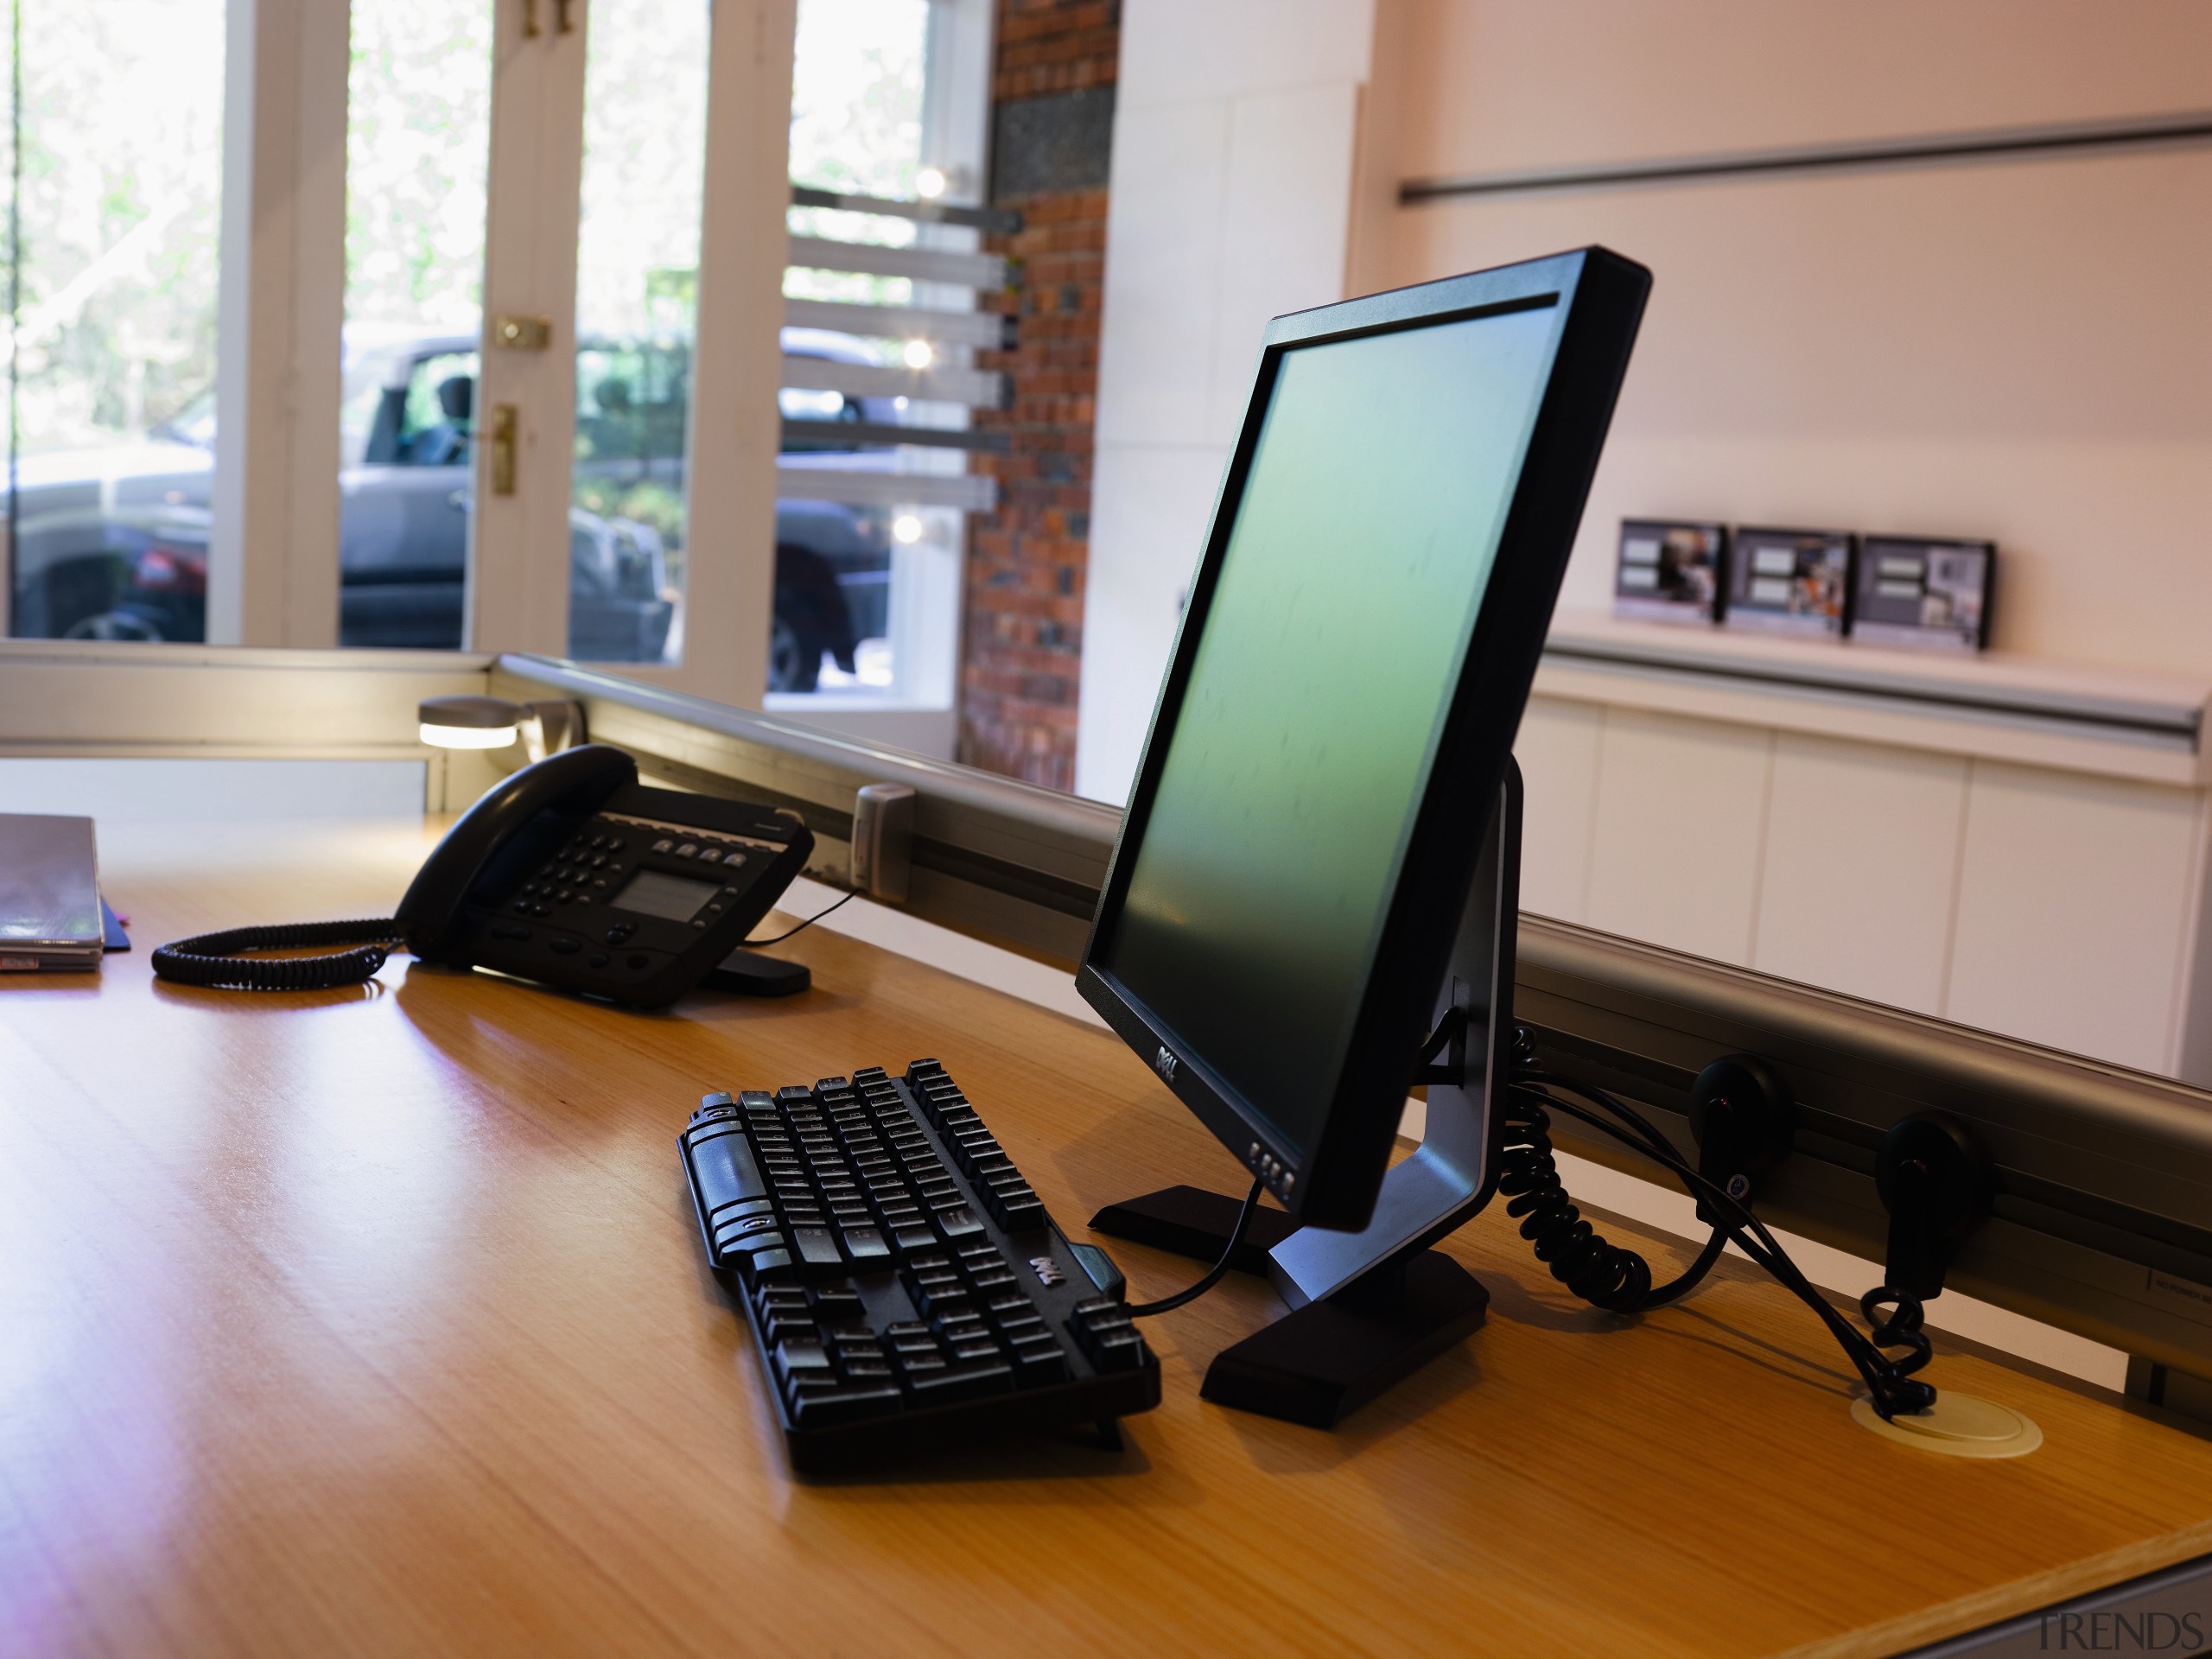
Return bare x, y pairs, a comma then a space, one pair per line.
1021, 642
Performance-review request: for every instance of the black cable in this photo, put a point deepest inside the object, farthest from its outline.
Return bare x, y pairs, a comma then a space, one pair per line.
803, 926
1889, 1381
1578, 1255
212, 959
1169, 1304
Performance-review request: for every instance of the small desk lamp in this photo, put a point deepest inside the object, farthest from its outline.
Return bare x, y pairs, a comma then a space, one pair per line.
464, 720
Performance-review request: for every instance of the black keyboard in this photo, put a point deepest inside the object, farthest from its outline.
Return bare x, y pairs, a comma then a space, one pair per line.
905, 1286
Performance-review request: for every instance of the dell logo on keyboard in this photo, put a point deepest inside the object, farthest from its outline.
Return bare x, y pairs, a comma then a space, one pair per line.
1048, 1271
1164, 1063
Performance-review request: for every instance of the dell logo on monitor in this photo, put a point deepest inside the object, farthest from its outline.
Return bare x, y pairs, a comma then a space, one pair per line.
1164, 1063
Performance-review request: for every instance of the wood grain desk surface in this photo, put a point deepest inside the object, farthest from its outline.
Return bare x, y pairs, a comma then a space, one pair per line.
375, 1322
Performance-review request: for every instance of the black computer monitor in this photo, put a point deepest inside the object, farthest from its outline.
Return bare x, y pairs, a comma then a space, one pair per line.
1332, 739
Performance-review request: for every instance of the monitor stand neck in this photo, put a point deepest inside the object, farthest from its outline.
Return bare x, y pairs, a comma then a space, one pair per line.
1372, 1307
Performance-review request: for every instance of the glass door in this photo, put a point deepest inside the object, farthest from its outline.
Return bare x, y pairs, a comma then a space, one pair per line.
418, 135
637, 315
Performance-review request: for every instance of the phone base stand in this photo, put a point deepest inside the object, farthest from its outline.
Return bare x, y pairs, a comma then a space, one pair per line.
747, 973
1320, 1361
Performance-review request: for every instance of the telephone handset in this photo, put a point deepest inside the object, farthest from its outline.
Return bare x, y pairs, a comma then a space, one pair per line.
572, 872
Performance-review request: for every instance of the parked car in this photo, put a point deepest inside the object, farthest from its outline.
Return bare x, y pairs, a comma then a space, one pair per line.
112, 542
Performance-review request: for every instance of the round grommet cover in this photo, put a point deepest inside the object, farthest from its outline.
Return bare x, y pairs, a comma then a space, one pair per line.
1956, 1425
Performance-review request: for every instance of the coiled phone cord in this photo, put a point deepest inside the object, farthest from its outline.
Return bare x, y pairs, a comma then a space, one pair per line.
1889, 1381
214, 960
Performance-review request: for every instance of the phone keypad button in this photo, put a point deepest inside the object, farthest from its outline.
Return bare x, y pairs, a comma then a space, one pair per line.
561, 897
619, 932
710, 856
614, 844
687, 849
597, 959
566, 947
664, 845
522, 907
638, 960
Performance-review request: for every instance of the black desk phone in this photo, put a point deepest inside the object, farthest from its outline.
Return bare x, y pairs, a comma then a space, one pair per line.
571, 872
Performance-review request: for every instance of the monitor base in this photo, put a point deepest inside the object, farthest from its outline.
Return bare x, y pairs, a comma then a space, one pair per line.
1320, 1361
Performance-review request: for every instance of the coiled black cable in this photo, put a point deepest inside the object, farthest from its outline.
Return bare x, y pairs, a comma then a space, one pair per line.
1579, 1257
212, 960
1890, 1383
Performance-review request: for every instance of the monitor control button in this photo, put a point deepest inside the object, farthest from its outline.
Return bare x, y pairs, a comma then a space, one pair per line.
565, 947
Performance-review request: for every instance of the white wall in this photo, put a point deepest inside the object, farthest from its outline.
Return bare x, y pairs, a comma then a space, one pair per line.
2017, 348
1234, 128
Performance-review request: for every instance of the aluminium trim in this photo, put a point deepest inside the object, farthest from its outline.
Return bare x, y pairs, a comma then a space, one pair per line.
2186, 127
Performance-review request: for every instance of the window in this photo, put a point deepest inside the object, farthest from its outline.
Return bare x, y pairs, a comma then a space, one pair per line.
114, 204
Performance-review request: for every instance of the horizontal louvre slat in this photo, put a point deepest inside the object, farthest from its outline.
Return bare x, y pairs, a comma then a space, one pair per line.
1001, 220
970, 491
843, 435
923, 265
990, 330
981, 388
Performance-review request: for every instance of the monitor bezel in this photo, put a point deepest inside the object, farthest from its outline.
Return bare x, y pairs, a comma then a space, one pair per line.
1600, 297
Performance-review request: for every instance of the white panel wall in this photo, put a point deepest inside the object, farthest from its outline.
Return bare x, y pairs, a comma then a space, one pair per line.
1862, 862
1558, 748
1235, 127
2072, 927
1677, 832
2061, 907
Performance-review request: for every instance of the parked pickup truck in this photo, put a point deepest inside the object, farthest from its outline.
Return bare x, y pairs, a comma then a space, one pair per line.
112, 542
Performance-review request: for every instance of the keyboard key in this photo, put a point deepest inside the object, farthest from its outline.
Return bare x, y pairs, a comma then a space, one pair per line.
722, 1166
734, 1235
980, 1347
769, 1265
866, 1247
1117, 1351
817, 1246
801, 1355
837, 1302
785, 1327
959, 1222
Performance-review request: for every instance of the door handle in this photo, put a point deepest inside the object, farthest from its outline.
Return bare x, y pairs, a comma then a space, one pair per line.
504, 419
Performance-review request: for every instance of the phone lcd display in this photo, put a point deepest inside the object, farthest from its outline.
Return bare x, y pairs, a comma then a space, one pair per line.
676, 897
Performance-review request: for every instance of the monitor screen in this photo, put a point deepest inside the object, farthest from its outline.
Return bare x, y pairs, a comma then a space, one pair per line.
1298, 757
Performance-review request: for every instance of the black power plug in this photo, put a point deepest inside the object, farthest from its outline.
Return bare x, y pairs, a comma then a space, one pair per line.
1936, 1180
1745, 1123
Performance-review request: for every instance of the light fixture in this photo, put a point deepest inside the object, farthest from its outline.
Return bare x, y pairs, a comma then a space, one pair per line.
465, 722
918, 354
907, 528
929, 183
462, 722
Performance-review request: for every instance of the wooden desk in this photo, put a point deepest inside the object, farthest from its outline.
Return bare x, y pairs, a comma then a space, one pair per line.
376, 1323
